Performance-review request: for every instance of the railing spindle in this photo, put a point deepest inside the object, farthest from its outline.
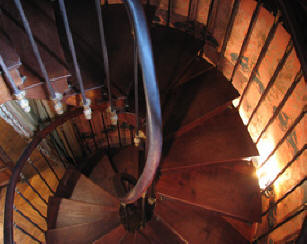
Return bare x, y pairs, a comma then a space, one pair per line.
105, 130
30, 204
26, 233
86, 102
272, 80
19, 95
288, 132
247, 37
260, 57
297, 79
40, 175
104, 50
93, 134
32, 187
28, 219
49, 165
56, 97
69, 148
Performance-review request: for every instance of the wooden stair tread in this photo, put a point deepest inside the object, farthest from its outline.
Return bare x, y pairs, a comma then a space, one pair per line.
159, 232
219, 139
247, 230
172, 50
66, 212
129, 238
87, 191
196, 225
114, 236
9, 55
195, 101
80, 188
126, 161
40, 16
81, 233
216, 189
197, 67
103, 175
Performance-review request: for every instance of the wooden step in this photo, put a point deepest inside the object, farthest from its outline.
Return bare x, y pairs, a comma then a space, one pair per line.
41, 17
119, 41
198, 67
172, 50
196, 225
129, 238
126, 161
223, 138
80, 188
103, 175
216, 189
65, 212
158, 232
81, 233
12, 61
190, 104
247, 230
114, 236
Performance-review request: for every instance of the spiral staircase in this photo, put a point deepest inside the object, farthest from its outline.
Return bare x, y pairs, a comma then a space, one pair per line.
205, 189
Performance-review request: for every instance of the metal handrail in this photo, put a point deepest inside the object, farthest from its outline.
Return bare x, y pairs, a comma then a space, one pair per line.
154, 122
152, 97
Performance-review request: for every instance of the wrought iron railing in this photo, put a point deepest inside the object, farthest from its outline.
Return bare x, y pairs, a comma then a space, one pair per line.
61, 145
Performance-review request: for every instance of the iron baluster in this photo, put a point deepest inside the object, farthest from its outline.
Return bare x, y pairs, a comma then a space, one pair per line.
290, 90
40, 176
288, 132
104, 50
49, 165
247, 37
20, 95
93, 134
105, 130
69, 147
32, 187
299, 153
260, 57
26, 233
272, 80
56, 97
28, 219
169, 12
86, 102
30, 204
229, 28
118, 133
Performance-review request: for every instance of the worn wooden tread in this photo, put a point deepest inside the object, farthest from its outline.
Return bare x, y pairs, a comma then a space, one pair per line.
214, 188
66, 212
223, 138
78, 187
196, 225
114, 236
103, 175
48, 41
81, 233
159, 232
172, 50
126, 161
196, 68
193, 102
86, 190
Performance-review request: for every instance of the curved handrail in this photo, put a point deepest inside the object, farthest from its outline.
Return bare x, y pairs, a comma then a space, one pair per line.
154, 121
10, 193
